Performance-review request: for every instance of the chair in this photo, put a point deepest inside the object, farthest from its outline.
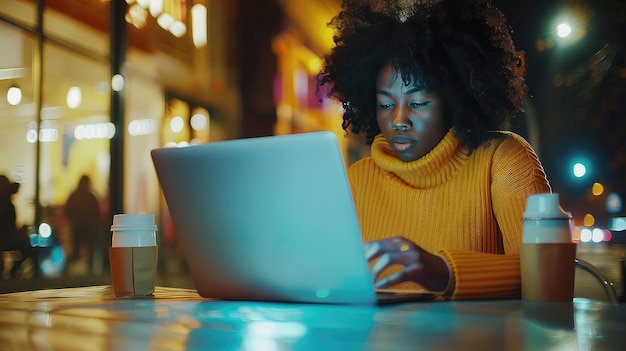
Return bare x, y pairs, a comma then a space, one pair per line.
607, 284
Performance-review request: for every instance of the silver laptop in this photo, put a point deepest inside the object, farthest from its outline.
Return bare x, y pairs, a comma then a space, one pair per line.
269, 219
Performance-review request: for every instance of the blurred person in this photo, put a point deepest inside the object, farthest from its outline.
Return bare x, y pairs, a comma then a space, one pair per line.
83, 213
431, 85
12, 238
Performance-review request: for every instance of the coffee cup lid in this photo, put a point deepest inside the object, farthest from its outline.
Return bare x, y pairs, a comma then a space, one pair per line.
545, 206
133, 222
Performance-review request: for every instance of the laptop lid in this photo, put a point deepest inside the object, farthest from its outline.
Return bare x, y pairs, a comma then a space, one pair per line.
269, 219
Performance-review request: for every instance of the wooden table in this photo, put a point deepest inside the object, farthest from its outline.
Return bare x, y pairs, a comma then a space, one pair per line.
91, 318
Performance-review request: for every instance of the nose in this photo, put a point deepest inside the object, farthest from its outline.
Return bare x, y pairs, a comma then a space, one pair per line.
400, 121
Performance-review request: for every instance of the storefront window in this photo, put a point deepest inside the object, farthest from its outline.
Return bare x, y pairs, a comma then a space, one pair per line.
74, 135
56, 130
17, 147
144, 112
17, 113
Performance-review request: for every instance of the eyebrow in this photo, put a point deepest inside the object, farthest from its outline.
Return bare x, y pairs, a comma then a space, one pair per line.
411, 90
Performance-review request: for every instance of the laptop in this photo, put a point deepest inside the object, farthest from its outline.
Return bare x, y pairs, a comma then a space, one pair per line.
269, 219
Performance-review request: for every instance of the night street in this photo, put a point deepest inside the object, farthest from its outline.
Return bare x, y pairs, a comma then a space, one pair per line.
606, 258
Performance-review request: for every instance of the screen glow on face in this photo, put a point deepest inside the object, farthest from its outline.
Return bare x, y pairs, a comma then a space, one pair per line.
410, 118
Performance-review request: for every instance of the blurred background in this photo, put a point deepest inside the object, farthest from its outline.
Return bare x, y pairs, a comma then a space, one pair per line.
89, 87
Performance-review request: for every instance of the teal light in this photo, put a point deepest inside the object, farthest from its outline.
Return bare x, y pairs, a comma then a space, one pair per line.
322, 293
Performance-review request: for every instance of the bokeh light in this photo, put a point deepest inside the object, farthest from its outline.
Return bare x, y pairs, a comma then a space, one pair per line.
74, 97
117, 82
14, 96
597, 189
579, 170
597, 235
45, 230
563, 30
589, 220
177, 124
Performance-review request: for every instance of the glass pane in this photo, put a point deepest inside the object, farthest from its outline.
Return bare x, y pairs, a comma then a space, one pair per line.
75, 133
144, 112
23, 12
18, 151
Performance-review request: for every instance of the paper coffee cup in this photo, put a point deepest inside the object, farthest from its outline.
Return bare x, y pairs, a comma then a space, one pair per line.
133, 255
133, 270
547, 256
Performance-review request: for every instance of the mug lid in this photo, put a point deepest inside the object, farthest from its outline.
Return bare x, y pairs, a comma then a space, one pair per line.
544, 206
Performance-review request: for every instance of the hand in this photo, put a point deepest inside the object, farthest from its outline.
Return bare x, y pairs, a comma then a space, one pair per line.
428, 270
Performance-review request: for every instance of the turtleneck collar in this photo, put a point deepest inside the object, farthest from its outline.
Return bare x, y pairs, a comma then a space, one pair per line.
435, 168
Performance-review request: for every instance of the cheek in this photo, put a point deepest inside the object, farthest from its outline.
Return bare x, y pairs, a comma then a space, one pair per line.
419, 127
436, 123
383, 121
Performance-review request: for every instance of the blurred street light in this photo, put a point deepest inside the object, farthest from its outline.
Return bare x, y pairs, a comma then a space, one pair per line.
579, 170
563, 30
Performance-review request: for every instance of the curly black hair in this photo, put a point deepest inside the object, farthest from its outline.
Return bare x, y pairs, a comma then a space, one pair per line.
459, 49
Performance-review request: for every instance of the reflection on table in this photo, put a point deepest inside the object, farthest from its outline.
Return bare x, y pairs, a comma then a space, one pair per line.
92, 318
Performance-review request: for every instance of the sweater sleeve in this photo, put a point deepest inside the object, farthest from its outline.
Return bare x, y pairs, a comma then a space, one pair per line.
478, 275
516, 174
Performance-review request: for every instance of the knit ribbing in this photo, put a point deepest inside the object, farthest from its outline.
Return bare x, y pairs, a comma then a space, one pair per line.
460, 206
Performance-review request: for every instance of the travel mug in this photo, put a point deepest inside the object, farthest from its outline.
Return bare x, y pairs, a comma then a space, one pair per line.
548, 253
133, 254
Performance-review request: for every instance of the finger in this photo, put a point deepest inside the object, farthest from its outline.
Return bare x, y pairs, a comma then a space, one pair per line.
377, 248
372, 250
391, 280
380, 265
387, 260
406, 274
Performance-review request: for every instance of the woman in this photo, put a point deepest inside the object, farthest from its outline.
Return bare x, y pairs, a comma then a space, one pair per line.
441, 198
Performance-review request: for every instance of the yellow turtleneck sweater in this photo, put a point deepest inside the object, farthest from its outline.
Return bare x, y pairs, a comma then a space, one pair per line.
468, 209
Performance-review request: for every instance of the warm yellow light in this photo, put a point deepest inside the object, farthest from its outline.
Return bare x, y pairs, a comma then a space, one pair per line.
178, 29
177, 124
117, 82
136, 15
597, 189
144, 3
74, 97
165, 20
14, 96
199, 25
589, 220
199, 121
94, 131
142, 127
156, 7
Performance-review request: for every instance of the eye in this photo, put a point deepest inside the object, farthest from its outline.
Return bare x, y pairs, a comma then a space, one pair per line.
416, 105
384, 105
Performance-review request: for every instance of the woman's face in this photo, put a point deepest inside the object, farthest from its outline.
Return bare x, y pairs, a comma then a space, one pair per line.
411, 119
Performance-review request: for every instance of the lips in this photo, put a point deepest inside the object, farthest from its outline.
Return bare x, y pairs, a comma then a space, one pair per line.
402, 143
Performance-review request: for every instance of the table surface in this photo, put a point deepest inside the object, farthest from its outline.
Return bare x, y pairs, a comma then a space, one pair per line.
91, 318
